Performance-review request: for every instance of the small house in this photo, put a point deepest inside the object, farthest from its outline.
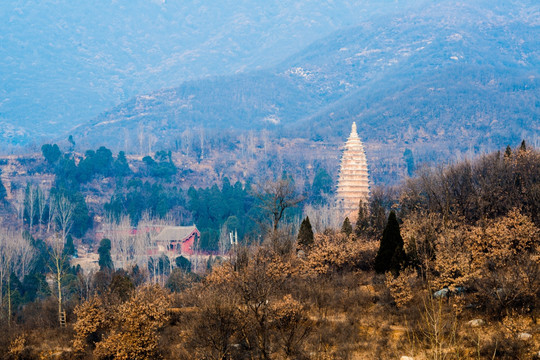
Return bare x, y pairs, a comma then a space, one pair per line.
179, 239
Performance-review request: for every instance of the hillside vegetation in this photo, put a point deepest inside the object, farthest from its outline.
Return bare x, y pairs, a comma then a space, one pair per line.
445, 81
62, 63
460, 280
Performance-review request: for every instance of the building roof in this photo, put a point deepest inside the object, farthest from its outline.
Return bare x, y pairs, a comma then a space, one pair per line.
176, 233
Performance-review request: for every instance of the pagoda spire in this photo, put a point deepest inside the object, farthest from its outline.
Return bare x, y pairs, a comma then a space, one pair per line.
354, 132
353, 183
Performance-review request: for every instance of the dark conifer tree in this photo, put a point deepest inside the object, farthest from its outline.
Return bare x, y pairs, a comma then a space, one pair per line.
523, 146
346, 228
3, 191
305, 234
409, 161
121, 285
508, 151
183, 263
390, 255
51, 153
362, 221
105, 261
69, 247
121, 166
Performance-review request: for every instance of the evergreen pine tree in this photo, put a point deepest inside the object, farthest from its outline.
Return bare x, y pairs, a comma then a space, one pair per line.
105, 261
362, 221
508, 151
305, 234
69, 247
121, 166
523, 146
183, 263
3, 191
409, 161
346, 228
390, 255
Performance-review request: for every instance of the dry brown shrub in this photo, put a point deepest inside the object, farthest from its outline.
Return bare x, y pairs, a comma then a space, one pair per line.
514, 323
435, 335
221, 275
504, 253
501, 241
290, 319
17, 347
495, 342
216, 324
453, 263
466, 254
332, 253
402, 287
91, 318
134, 334
236, 306
420, 233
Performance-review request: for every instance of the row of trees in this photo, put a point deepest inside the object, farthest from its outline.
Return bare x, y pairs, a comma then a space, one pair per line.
487, 187
42, 212
16, 255
24, 263
135, 198
71, 175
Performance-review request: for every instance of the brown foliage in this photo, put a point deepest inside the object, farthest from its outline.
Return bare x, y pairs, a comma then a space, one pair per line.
453, 262
130, 329
246, 310
488, 187
135, 324
91, 318
498, 259
290, 320
420, 232
402, 287
502, 241
337, 253
217, 323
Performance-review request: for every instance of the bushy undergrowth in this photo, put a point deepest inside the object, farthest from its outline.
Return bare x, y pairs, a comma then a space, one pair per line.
465, 288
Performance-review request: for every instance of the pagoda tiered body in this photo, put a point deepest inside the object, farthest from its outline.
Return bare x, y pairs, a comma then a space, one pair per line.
353, 184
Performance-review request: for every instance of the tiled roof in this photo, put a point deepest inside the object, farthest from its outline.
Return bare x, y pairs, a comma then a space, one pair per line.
176, 233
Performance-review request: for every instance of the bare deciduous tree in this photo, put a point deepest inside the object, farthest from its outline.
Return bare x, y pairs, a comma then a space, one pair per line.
64, 216
31, 204
187, 139
52, 213
15, 256
41, 203
19, 203
323, 217
122, 241
202, 138
57, 267
276, 197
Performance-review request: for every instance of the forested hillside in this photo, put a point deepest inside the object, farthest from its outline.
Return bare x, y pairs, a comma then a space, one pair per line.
168, 180
443, 81
64, 62
444, 266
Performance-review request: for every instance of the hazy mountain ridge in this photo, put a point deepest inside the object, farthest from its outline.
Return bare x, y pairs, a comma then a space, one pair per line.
451, 78
64, 62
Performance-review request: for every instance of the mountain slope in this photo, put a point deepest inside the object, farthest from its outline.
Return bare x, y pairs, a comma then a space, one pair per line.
452, 78
64, 62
